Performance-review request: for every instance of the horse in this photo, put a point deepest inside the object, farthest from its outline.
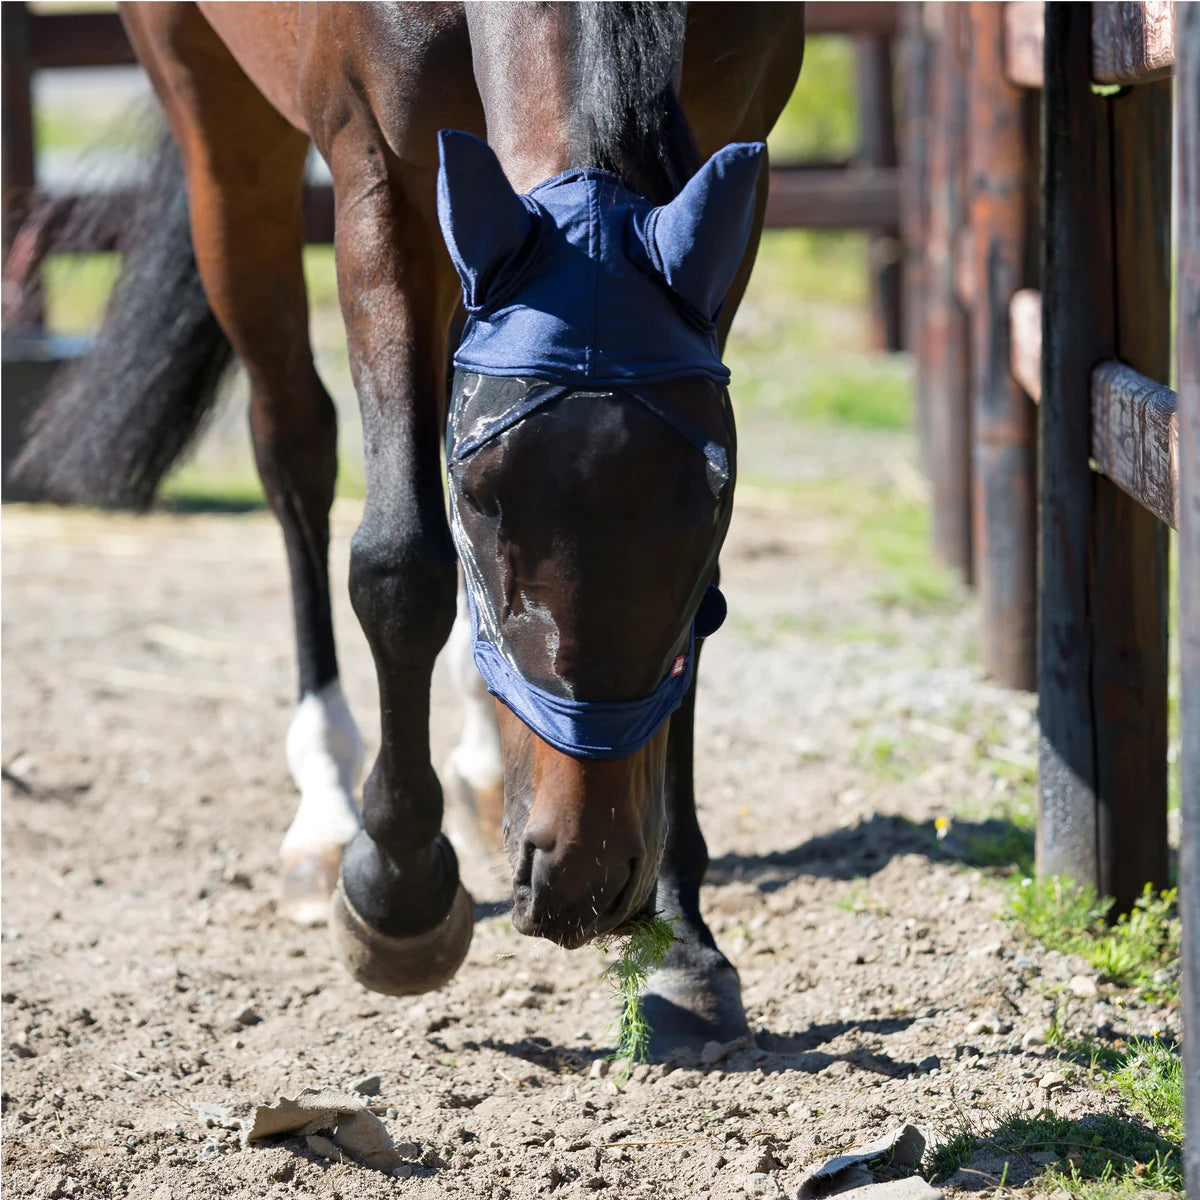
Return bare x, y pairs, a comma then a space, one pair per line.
584, 185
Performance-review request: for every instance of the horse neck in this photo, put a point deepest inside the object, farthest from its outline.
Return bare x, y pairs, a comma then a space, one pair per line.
584, 85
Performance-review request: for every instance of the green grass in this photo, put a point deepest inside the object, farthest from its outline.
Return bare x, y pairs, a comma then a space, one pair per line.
1099, 1156
1134, 952
639, 953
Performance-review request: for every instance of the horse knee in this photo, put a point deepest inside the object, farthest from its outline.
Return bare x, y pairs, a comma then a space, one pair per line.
402, 587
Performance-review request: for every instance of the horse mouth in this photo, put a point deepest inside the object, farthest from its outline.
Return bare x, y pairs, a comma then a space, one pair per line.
571, 931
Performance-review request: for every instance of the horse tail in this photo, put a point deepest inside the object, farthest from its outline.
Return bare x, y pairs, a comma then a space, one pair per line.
113, 424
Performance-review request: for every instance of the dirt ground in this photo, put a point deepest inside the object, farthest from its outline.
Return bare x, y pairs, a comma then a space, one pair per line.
147, 683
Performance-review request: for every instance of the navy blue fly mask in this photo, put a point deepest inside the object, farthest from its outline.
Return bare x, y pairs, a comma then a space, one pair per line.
581, 286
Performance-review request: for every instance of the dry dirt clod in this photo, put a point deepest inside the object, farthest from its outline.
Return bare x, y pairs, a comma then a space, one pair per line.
761, 1184
1083, 985
1052, 1080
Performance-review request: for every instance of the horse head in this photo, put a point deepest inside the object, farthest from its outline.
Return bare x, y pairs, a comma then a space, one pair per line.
590, 453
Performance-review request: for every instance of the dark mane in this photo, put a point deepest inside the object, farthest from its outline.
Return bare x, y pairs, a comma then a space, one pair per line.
627, 59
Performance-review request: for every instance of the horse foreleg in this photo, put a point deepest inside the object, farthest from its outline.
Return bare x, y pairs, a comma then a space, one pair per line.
474, 772
695, 996
401, 920
244, 167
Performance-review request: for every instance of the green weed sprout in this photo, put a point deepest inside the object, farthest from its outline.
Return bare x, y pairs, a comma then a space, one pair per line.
640, 950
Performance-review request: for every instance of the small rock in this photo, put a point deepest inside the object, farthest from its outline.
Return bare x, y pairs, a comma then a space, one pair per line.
408, 1149
1039, 1035
1052, 1080
1083, 985
988, 1022
516, 998
403, 1171
913, 1187
368, 1085
599, 1068
21, 1050
800, 1112
246, 1015
595, 1183
761, 1184
932, 1063
712, 1053
1043, 1158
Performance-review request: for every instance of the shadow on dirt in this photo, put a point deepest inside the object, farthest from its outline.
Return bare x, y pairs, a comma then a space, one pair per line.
867, 847
769, 1052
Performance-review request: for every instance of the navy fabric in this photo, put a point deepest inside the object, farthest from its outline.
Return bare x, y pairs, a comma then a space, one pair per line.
585, 728
596, 728
582, 281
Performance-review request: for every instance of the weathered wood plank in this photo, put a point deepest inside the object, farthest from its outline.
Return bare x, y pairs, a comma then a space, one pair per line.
79, 39
877, 148
855, 198
1003, 419
1129, 552
1135, 437
1077, 331
1025, 338
946, 336
1132, 42
22, 306
871, 16
1024, 35
1188, 349
915, 50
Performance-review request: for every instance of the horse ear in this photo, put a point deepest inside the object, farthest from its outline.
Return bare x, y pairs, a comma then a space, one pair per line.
697, 241
483, 220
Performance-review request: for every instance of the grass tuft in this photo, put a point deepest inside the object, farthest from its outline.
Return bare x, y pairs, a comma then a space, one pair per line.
641, 949
1141, 950
1098, 1157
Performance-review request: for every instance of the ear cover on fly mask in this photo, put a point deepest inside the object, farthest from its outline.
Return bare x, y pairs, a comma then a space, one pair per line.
582, 281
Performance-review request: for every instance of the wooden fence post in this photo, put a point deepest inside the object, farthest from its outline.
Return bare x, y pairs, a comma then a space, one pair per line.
915, 55
1102, 577
1003, 417
1187, 48
1129, 554
946, 345
877, 148
1077, 332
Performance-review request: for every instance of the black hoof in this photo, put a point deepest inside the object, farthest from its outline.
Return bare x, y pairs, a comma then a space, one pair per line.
402, 966
688, 1007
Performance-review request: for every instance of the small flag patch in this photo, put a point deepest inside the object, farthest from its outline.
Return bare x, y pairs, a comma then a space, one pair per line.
678, 665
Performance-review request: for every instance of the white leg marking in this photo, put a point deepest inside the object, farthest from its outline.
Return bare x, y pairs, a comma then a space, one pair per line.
325, 755
477, 758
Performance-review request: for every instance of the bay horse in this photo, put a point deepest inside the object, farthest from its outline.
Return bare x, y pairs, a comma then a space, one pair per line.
599, 243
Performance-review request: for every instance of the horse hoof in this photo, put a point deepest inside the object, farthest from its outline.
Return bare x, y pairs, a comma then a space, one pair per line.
403, 966
688, 1008
310, 874
474, 815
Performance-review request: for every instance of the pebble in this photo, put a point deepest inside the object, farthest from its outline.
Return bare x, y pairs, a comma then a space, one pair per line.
598, 1069
1052, 1080
712, 1053
519, 998
1083, 985
368, 1085
988, 1022
1039, 1035
761, 1184
408, 1149
246, 1015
